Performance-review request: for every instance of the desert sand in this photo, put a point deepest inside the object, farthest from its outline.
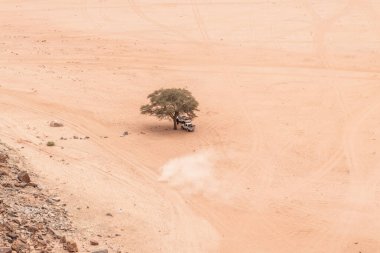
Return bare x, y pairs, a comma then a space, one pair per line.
286, 154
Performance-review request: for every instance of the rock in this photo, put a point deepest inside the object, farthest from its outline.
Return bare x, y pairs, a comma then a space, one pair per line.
56, 199
53, 232
124, 134
75, 137
63, 239
5, 250
101, 251
19, 246
71, 246
55, 124
3, 158
109, 214
3, 173
33, 185
32, 229
23, 176
41, 242
94, 243
12, 235
17, 221
50, 144
12, 214
21, 185
7, 185
27, 222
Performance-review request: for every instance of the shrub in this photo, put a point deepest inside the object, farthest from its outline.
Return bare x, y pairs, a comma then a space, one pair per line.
50, 144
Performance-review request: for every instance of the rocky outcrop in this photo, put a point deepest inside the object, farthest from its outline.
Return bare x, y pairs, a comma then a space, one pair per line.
31, 220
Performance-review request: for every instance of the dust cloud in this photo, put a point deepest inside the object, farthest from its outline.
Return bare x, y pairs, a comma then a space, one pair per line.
193, 173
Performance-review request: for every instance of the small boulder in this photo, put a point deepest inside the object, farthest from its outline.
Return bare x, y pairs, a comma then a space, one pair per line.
5, 250
56, 199
55, 124
3, 173
23, 176
101, 251
63, 239
50, 144
3, 158
94, 243
33, 185
124, 134
7, 185
12, 235
71, 246
21, 185
19, 246
32, 229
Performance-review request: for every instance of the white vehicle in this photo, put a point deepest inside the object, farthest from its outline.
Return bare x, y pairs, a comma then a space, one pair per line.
182, 120
186, 123
188, 126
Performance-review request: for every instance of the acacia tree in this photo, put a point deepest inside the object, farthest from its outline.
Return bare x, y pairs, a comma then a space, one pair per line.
170, 103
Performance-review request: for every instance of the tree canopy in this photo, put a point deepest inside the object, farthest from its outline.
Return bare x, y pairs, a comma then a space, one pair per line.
170, 103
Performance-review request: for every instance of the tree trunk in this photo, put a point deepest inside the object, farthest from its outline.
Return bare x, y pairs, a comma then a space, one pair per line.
175, 120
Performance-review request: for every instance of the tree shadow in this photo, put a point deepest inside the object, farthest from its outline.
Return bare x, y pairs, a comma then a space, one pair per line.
160, 128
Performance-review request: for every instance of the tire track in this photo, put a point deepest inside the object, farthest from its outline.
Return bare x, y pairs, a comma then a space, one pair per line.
322, 26
341, 101
359, 186
137, 10
256, 140
199, 21
179, 208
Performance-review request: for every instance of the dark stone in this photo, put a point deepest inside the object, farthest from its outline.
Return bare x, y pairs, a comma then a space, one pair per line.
12, 235
94, 243
3, 173
23, 176
56, 124
7, 185
71, 246
19, 246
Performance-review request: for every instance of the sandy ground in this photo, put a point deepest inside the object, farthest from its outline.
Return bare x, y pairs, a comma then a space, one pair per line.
286, 154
